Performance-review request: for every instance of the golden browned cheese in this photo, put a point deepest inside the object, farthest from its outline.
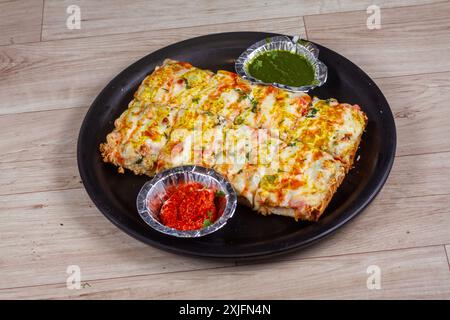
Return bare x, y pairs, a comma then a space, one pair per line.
284, 153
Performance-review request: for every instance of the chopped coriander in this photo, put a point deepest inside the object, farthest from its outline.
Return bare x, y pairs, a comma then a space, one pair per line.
270, 178
312, 113
195, 100
242, 95
187, 83
239, 120
206, 223
219, 193
254, 105
258, 64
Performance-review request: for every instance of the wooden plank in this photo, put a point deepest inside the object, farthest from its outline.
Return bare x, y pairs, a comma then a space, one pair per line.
423, 175
39, 175
44, 233
415, 101
419, 175
110, 17
76, 70
389, 224
40, 135
404, 215
447, 252
20, 21
421, 120
411, 40
420, 273
411, 210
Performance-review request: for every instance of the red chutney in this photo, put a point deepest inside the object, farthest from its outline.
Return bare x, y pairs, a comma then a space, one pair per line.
189, 206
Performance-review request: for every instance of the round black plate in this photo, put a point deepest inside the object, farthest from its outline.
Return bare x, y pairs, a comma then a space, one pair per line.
247, 235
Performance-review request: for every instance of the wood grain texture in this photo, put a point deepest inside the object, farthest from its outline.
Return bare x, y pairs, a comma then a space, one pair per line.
405, 214
76, 70
20, 21
415, 273
39, 175
412, 40
45, 232
423, 175
48, 222
447, 251
415, 101
53, 136
421, 119
108, 17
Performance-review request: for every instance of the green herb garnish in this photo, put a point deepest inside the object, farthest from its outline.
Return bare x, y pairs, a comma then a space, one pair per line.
219, 193
206, 223
242, 95
239, 120
312, 113
258, 64
187, 83
270, 178
254, 105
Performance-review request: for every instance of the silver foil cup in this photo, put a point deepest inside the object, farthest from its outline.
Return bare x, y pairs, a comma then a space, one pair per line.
154, 192
302, 47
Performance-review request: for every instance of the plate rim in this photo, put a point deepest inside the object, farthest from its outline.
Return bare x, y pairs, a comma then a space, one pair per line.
376, 186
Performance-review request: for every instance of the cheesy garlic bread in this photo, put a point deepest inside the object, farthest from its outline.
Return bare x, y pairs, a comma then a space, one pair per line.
284, 153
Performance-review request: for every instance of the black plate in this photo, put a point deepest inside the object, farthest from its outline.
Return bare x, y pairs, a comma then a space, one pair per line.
247, 235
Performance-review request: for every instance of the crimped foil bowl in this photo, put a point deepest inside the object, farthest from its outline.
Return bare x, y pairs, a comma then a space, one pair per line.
151, 198
302, 47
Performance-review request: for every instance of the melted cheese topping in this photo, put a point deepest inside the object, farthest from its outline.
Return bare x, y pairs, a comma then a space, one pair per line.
139, 135
283, 152
303, 178
197, 138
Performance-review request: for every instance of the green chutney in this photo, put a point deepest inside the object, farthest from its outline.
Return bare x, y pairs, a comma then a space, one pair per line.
282, 67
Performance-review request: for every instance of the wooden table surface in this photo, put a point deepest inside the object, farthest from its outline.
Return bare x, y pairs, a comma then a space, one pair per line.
50, 74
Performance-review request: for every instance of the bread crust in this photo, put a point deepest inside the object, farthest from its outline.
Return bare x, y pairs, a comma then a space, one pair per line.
110, 152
